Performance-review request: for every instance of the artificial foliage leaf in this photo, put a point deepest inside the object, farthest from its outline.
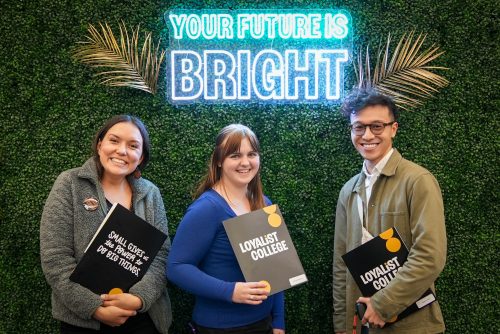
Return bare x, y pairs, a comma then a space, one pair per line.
405, 75
122, 63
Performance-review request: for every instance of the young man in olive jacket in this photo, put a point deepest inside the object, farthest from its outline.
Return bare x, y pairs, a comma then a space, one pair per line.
390, 191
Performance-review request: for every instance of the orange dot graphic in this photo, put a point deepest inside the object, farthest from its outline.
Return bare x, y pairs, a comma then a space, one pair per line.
274, 220
387, 234
270, 209
115, 291
393, 245
268, 286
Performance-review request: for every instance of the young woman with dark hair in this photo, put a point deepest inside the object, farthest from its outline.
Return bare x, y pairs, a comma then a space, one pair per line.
76, 206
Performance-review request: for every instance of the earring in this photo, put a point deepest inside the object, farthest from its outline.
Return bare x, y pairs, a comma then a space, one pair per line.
137, 173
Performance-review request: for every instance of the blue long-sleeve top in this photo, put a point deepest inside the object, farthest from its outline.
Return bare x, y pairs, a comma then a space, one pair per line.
202, 262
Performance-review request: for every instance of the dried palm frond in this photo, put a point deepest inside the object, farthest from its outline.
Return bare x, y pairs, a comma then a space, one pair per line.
406, 76
124, 64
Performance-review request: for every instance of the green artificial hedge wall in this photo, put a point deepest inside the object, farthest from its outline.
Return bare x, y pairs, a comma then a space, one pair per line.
51, 106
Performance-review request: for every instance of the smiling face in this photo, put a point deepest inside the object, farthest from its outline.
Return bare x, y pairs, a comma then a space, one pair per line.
373, 147
120, 150
240, 167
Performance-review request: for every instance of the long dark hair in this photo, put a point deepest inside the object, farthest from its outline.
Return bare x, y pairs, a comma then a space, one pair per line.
228, 141
146, 144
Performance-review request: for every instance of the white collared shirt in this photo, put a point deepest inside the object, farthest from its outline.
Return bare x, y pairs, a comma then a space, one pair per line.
369, 182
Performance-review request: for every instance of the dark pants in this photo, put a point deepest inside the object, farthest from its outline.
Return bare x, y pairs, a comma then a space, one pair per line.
139, 324
260, 327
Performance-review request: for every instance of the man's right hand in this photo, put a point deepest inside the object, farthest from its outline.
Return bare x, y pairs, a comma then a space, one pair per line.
371, 316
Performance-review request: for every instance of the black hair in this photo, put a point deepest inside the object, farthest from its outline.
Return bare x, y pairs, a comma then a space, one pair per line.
359, 99
146, 144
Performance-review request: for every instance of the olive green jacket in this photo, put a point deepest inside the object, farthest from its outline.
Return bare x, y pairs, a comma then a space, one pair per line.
408, 197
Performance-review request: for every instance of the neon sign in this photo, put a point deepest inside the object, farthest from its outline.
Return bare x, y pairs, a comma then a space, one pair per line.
265, 56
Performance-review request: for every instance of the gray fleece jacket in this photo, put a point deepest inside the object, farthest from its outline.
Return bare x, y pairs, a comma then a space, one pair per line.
67, 227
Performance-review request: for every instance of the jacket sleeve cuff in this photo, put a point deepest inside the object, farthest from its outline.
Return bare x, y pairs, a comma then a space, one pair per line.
143, 303
389, 308
90, 308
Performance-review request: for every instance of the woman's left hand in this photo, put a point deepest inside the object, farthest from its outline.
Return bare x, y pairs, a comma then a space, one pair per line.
122, 300
278, 331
